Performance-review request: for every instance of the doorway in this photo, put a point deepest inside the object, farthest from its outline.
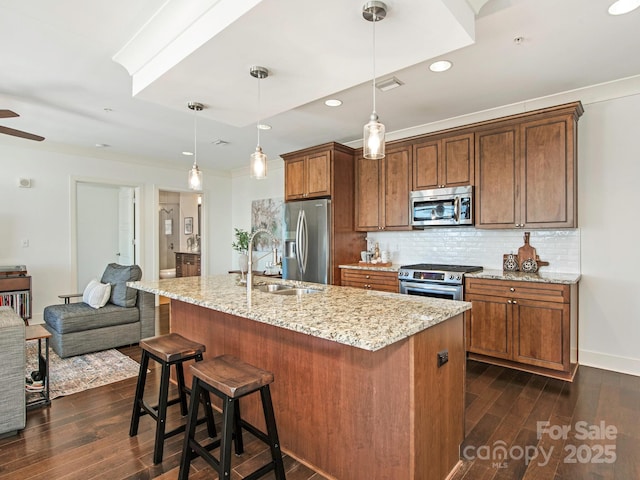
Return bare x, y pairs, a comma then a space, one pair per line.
179, 229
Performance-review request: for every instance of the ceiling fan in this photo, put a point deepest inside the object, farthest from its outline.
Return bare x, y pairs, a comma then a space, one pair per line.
17, 133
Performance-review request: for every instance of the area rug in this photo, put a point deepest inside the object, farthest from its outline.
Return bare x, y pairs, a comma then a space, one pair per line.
82, 372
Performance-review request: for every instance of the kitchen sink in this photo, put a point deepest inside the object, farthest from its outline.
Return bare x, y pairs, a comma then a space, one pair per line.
285, 289
296, 291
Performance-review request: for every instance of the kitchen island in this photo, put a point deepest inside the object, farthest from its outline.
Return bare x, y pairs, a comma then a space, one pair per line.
358, 391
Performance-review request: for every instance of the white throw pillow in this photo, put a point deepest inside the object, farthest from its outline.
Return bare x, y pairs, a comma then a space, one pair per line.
96, 294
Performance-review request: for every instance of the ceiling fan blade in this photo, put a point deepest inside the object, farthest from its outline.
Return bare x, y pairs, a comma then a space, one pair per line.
8, 114
21, 134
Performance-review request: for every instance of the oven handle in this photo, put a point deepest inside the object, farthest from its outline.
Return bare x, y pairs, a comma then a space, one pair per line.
431, 287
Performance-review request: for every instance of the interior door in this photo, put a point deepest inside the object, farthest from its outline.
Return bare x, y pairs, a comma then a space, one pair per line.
126, 226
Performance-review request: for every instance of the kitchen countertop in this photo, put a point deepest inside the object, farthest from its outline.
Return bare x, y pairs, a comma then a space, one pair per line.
366, 319
371, 266
540, 277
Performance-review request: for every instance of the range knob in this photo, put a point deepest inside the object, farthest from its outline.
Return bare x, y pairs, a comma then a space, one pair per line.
450, 276
459, 277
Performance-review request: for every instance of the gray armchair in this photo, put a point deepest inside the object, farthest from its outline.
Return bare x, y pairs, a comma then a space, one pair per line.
127, 317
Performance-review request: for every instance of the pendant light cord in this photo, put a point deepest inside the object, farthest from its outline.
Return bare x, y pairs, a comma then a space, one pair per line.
195, 136
259, 110
373, 86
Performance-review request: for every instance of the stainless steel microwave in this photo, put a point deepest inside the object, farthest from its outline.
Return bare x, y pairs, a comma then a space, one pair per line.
451, 206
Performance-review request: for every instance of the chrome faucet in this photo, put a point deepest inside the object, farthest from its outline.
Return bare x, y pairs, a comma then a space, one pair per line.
274, 252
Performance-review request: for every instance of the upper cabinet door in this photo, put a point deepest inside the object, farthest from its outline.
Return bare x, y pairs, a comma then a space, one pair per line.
318, 174
397, 187
294, 179
457, 165
426, 160
548, 173
368, 194
497, 177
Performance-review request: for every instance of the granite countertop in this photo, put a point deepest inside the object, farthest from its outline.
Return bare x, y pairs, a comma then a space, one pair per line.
540, 277
371, 266
365, 319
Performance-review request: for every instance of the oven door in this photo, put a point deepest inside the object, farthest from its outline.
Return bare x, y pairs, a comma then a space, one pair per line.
433, 290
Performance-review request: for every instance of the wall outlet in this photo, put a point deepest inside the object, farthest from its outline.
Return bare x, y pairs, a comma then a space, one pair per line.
25, 243
443, 357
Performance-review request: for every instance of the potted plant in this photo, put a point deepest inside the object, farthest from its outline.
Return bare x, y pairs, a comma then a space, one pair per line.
241, 245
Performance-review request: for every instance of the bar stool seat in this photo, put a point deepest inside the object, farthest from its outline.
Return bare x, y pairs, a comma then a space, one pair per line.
230, 378
167, 350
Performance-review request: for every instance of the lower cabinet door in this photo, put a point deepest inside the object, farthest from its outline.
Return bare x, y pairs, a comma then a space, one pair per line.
539, 332
489, 326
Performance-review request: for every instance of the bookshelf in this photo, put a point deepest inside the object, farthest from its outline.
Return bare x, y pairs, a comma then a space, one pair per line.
15, 292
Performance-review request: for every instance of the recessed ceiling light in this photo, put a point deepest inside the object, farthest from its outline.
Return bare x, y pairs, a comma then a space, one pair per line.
333, 102
388, 84
623, 6
264, 126
220, 142
188, 154
440, 66
102, 145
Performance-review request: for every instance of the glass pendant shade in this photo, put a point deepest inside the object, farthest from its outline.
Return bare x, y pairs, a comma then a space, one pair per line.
258, 165
373, 145
195, 178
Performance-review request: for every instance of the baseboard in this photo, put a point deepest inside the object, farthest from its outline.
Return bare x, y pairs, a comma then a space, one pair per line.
606, 361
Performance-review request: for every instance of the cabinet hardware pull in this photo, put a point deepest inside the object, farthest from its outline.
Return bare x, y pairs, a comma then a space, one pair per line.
509, 301
367, 276
515, 301
512, 289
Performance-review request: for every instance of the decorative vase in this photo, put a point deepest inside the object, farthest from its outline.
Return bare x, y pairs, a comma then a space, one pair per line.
243, 262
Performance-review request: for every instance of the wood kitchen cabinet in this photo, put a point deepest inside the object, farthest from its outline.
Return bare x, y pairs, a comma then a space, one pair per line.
526, 170
525, 325
373, 279
308, 174
444, 162
187, 264
382, 190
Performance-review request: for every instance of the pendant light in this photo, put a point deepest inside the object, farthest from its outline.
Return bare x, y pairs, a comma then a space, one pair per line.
258, 164
195, 175
373, 138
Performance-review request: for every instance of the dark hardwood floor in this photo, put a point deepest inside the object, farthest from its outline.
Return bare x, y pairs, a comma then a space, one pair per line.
86, 435
593, 429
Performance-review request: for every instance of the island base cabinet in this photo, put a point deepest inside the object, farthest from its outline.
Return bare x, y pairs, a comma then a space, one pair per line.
350, 413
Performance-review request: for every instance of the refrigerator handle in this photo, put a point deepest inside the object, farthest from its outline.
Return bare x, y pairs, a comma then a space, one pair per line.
299, 245
305, 242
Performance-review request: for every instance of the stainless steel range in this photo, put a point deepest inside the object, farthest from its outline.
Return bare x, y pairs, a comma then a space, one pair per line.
434, 280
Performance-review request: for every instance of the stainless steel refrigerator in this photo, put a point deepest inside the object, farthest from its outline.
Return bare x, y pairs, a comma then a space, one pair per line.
307, 231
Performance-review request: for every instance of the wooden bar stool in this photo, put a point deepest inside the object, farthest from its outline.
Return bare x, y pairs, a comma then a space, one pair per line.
230, 379
167, 350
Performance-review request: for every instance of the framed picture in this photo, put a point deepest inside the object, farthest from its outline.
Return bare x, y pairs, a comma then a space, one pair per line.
188, 225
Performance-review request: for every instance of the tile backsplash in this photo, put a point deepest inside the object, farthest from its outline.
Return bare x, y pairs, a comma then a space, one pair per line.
472, 246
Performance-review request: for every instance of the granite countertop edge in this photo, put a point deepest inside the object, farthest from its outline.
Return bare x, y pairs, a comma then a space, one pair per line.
365, 319
371, 266
539, 277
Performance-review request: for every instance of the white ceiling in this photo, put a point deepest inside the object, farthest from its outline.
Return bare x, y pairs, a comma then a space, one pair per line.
121, 72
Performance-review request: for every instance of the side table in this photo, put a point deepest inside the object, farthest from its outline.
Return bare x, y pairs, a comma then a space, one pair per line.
40, 399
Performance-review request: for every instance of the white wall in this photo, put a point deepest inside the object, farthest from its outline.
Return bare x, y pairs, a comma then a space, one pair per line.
41, 214
610, 286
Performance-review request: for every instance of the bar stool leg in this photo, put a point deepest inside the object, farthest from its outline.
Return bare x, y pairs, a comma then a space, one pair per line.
162, 414
208, 411
272, 432
237, 429
228, 421
181, 389
142, 378
190, 431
